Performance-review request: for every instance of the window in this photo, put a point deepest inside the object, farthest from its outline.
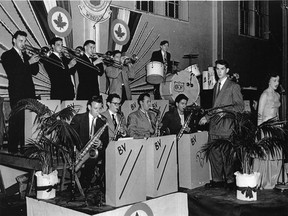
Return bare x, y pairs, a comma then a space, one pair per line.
172, 9
145, 6
254, 19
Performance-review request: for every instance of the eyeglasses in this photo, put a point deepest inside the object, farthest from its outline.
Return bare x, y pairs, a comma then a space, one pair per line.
116, 104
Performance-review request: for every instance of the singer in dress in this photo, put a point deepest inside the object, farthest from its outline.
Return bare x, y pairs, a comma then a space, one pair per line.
141, 123
268, 108
86, 125
226, 92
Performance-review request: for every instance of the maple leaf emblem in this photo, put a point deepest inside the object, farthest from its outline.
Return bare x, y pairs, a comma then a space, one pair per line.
59, 22
119, 32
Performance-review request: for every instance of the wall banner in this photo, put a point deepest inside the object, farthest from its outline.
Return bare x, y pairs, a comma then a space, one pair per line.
96, 11
59, 21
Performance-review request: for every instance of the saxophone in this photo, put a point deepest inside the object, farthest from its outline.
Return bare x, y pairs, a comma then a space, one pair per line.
117, 130
90, 149
184, 127
159, 118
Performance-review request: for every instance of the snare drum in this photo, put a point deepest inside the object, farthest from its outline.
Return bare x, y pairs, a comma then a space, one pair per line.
182, 83
155, 71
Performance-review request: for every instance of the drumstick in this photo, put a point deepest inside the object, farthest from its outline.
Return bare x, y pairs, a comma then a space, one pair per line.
145, 40
139, 37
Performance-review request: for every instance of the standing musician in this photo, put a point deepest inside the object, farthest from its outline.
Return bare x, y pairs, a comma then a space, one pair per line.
117, 122
62, 87
88, 76
174, 119
164, 57
86, 125
19, 68
141, 123
119, 77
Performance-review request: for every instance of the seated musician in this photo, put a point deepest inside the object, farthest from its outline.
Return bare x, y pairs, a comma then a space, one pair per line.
174, 119
164, 57
86, 125
116, 120
119, 74
141, 123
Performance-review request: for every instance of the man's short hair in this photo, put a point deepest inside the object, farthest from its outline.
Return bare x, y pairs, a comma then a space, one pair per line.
111, 96
163, 42
97, 99
54, 40
21, 33
180, 97
116, 52
142, 96
88, 42
222, 62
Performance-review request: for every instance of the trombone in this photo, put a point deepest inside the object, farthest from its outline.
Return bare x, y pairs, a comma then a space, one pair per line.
72, 53
43, 54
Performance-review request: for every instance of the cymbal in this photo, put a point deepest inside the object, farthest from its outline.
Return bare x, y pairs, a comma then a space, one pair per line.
191, 56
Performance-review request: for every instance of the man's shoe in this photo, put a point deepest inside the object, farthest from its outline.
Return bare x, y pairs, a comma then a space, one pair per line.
230, 186
213, 184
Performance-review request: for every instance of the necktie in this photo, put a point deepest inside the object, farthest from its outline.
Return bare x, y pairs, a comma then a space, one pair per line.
114, 120
218, 89
92, 129
146, 113
21, 55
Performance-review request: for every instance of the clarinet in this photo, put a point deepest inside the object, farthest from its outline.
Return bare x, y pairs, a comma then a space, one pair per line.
184, 127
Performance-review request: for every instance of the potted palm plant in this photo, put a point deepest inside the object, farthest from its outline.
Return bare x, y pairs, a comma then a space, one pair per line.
247, 141
53, 144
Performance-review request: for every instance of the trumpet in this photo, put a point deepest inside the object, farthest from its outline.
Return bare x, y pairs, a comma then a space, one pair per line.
107, 59
43, 53
125, 60
76, 54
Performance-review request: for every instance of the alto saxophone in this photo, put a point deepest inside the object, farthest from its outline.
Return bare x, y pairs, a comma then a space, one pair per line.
91, 147
184, 127
117, 130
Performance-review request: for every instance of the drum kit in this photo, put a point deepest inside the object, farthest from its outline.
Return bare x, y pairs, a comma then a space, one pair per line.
183, 82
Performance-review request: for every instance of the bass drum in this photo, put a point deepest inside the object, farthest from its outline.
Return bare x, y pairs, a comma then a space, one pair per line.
182, 83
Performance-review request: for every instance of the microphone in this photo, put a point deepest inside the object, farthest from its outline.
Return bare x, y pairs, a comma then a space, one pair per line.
282, 90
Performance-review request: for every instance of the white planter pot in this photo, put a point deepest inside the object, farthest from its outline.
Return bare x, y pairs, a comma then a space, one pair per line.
247, 186
46, 184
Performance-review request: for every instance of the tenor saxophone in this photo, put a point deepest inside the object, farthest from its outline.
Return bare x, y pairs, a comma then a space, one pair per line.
92, 145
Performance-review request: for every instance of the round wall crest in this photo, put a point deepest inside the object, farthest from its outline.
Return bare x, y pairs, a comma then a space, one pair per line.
120, 32
59, 21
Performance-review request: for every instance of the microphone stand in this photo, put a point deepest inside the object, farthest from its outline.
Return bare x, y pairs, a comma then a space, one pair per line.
282, 185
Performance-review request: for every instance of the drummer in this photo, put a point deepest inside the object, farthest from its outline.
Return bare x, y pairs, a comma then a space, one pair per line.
164, 57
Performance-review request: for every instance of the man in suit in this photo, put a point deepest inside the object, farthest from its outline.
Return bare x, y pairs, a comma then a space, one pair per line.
141, 123
89, 72
115, 118
119, 77
62, 87
86, 125
19, 68
174, 119
226, 92
164, 57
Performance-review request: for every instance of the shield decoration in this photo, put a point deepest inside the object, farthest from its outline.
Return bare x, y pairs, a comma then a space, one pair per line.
59, 21
120, 32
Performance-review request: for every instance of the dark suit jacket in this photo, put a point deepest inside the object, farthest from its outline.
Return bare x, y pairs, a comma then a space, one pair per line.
80, 123
111, 126
230, 94
61, 85
157, 56
19, 73
88, 79
172, 122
